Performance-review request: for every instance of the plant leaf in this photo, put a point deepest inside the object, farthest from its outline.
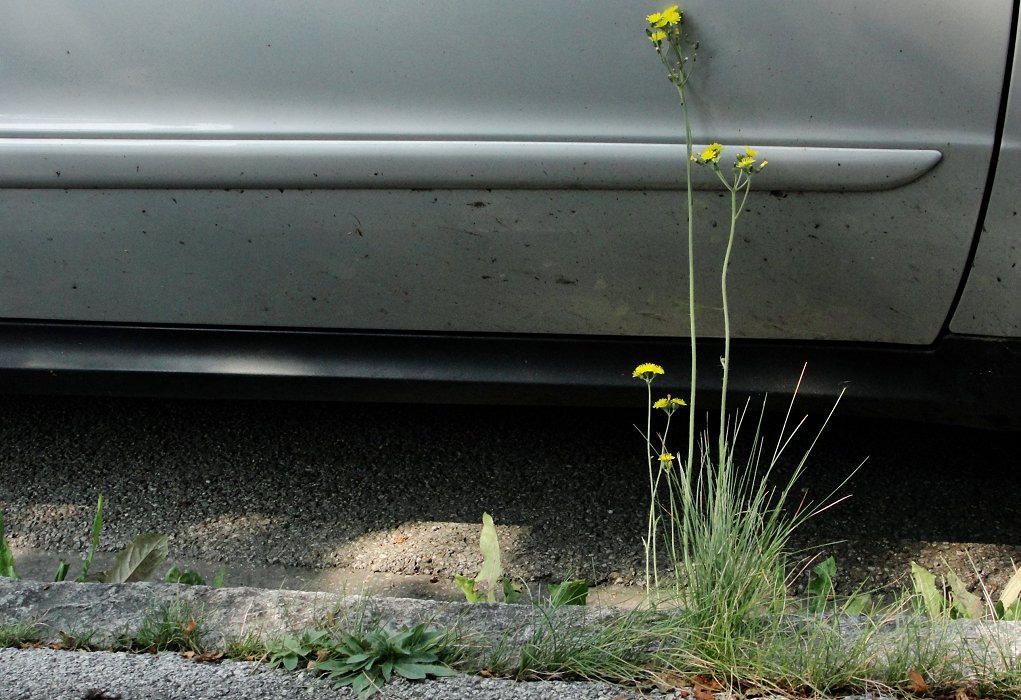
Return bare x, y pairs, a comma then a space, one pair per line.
573, 592
511, 593
931, 597
436, 671
364, 686
97, 529
1012, 591
467, 586
187, 577
966, 604
856, 604
1011, 614
820, 585
492, 568
139, 560
6, 556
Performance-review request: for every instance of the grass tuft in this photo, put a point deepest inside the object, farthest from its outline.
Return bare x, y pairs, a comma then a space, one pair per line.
174, 626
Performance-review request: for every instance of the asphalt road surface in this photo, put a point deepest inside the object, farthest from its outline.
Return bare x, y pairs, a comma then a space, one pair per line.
327, 495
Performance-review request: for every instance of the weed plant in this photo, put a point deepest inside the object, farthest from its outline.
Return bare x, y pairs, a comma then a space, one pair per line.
174, 626
19, 634
725, 529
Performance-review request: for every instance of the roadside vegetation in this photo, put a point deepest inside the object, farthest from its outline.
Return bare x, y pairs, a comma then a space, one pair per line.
719, 614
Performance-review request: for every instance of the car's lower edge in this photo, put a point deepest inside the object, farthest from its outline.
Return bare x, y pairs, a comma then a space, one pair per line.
959, 379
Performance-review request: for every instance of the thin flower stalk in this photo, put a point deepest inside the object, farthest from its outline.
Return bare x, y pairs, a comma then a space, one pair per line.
676, 51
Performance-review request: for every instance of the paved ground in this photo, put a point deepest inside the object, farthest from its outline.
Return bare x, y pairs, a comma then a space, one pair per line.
328, 496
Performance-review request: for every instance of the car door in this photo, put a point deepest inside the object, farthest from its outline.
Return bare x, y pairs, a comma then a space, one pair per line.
490, 167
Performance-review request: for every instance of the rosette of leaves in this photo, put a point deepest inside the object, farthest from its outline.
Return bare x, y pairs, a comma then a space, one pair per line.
289, 652
367, 663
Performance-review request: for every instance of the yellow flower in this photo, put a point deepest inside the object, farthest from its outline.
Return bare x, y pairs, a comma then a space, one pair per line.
647, 371
666, 460
668, 17
744, 162
747, 161
669, 404
672, 15
657, 36
711, 154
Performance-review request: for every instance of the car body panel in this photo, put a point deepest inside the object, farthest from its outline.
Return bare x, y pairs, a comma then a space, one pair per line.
574, 225
991, 302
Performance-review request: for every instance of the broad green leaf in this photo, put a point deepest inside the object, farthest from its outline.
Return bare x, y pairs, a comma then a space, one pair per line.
820, 585
511, 593
364, 686
435, 670
966, 604
467, 586
857, 604
573, 592
492, 568
925, 588
139, 560
1012, 613
6, 556
413, 672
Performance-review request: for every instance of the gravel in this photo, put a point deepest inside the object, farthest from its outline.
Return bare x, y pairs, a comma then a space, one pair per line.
399, 490
44, 674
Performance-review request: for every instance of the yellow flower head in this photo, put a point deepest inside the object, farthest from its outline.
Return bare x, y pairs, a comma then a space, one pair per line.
667, 18
647, 371
657, 36
669, 404
747, 162
666, 460
711, 154
744, 162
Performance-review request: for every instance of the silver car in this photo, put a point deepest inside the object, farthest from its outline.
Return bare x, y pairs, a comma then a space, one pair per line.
482, 200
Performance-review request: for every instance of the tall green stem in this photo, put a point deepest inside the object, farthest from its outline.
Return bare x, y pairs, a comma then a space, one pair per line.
726, 330
650, 543
688, 466
740, 183
691, 281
